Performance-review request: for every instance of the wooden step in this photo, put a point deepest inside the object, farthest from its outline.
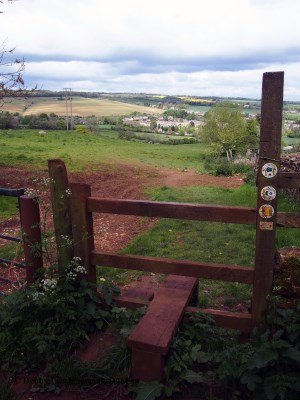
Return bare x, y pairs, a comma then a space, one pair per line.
152, 338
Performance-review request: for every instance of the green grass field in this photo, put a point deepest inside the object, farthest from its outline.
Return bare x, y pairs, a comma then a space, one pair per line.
27, 147
81, 106
8, 207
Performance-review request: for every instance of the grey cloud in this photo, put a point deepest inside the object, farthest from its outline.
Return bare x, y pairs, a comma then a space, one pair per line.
129, 63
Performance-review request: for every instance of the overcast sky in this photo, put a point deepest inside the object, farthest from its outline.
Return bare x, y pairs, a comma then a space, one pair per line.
199, 47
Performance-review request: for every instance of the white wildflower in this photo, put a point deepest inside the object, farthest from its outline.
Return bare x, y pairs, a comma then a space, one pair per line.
80, 269
49, 284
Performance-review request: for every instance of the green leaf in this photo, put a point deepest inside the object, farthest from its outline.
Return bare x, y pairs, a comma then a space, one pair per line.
148, 390
193, 377
91, 308
293, 354
261, 359
99, 324
251, 380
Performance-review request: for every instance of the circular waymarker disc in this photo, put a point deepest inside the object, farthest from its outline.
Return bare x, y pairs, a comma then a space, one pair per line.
268, 193
269, 170
266, 211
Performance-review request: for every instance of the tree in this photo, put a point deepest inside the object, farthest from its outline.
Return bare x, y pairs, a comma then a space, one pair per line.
11, 71
252, 128
225, 130
153, 124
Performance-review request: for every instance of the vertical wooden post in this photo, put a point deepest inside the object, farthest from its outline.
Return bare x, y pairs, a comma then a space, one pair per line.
32, 238
60, 197
82, 225
267, 187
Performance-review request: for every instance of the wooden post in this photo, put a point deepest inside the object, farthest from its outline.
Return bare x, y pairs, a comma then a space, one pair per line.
82, 225
32, 237
60, 197
267, 187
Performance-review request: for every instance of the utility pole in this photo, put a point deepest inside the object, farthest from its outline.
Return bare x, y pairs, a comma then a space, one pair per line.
68, 99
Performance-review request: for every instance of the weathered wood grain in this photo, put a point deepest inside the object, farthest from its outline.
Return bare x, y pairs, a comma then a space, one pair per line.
82, 226
60, 199
269, 152
174, 267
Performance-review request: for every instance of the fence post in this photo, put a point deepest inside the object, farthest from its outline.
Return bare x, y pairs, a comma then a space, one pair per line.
267, 189
60, 198
32, 237
82, 225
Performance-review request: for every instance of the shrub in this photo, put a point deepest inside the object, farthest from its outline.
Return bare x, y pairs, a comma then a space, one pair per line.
221, 166
48, 320
82, 130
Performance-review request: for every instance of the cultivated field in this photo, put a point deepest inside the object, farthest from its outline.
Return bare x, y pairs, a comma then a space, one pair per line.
81, 106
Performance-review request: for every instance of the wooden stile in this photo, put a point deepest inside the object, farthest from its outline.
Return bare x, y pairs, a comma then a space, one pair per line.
149, 342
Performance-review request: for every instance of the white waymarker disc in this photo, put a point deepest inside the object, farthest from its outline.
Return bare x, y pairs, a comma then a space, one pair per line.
268, 193
269, 170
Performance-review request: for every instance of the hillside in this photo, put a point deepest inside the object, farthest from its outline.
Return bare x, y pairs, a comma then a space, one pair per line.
81, 106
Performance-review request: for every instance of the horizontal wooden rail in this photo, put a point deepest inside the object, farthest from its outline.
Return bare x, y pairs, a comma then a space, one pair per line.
175, 267
196, 212
225, 319
289, 180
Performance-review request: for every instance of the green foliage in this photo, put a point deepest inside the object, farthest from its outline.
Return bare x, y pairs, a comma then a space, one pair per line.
252, 127
192, 352
225, 130
147, 390
48, 320
9, 120
82, 130
114, 365
221, 166
155, 138
269, 366
44, 121
266, 367
6, 391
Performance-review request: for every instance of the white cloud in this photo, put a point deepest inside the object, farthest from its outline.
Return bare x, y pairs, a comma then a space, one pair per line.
188, 44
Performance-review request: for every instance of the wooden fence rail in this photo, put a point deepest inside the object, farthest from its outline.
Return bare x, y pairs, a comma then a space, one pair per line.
195, 212
175, 267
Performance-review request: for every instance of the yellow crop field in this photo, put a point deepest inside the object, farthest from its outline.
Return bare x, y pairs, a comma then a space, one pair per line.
81, 106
